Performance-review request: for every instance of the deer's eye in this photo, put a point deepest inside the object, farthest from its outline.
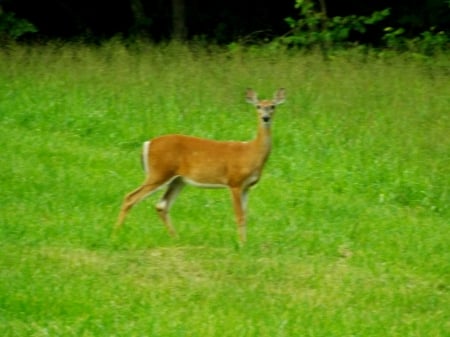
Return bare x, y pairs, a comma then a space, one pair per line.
272, 106
258, 106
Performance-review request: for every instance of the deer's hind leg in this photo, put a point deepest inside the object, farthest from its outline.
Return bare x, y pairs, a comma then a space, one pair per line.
132, 198
166, 202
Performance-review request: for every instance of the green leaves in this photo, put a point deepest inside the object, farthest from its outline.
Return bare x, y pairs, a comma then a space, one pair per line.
313, 27
13, 27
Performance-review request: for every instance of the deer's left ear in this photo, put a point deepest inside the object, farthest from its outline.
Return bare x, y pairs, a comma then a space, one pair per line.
279, 96
251, 96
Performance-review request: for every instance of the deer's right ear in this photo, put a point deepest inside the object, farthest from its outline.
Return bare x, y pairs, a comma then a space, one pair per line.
251, 96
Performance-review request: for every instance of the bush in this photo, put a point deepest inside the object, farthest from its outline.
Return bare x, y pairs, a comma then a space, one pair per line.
313, 27
12, 28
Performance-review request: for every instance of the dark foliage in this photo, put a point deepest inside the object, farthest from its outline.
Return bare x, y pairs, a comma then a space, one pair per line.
221, 21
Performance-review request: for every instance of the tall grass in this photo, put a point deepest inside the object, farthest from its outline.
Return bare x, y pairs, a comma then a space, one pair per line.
348, 227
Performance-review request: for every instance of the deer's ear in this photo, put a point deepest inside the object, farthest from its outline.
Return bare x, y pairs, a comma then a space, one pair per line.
280, 96
251, 96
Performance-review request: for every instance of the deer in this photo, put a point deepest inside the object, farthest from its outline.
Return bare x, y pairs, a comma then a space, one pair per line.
175, 160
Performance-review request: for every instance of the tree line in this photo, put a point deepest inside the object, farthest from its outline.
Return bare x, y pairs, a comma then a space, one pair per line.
223, 21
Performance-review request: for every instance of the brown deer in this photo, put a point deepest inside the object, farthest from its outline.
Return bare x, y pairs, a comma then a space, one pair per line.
176, 160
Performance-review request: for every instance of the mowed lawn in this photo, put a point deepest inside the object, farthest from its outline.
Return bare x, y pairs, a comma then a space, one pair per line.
348, 229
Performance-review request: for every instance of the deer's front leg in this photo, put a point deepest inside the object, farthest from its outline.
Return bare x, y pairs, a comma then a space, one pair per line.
239, 196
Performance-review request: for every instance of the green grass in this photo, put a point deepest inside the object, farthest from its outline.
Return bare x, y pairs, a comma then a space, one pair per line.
348, 229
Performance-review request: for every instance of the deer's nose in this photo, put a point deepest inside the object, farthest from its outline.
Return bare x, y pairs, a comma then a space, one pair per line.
266, 118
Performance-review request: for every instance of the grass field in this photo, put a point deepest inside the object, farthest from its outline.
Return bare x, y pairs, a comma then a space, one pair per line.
348, 229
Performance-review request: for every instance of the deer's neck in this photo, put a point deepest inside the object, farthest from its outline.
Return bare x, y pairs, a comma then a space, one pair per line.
263, 141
